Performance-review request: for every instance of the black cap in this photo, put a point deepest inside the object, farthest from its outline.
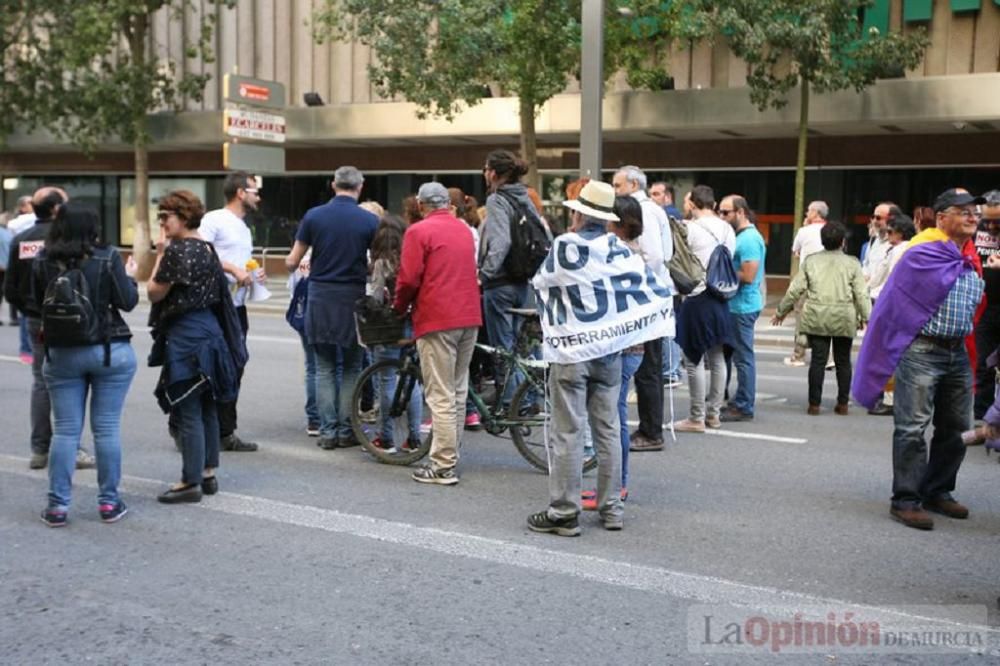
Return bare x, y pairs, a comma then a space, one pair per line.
956, 196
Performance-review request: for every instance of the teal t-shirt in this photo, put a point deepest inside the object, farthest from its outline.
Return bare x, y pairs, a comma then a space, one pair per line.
749, 247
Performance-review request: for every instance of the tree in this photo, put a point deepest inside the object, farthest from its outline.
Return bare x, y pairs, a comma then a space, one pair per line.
817, 45
93, 76
444, 54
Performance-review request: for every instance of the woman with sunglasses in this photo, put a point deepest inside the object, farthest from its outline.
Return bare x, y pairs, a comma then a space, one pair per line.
87, 353
192, 320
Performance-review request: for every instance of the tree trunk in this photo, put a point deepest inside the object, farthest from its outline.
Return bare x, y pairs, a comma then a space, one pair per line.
529, 144
141, 241
800, 166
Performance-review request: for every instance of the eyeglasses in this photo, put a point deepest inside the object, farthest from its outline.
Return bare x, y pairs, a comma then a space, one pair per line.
726, 212
250, 190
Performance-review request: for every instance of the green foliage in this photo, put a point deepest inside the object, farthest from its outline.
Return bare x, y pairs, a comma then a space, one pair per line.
91, 75
819, 41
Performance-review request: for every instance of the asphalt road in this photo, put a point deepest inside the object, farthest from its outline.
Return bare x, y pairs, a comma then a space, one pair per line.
309, 556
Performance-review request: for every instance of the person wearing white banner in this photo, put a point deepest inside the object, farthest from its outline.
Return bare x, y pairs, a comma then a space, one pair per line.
596, 298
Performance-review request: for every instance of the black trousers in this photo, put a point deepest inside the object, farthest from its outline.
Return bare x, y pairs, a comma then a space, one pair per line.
820, 346
987, 340
649, 390
227, 410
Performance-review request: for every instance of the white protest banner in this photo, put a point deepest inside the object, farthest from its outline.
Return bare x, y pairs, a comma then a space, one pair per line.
598, 297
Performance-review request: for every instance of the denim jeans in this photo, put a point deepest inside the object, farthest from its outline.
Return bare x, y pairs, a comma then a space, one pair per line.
387, 388
72, 373
24, 339
581, 393
334, 390
312, 413
197, 420
630, 363
743, 359
932, 383
502, 326
41, 408
672, 356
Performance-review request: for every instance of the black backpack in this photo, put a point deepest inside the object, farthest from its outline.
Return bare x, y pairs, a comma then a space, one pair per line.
71, 315
529, 242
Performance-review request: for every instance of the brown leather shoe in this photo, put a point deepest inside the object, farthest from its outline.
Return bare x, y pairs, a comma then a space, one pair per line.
947, 507
840, 409
915, 518
639, 442
813, 410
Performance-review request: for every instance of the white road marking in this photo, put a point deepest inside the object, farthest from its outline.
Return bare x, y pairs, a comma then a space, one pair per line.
660, 580
11, 359
741, 435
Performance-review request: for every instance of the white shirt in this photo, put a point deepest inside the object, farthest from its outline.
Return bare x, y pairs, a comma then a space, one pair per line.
652, 240
878, 248
233, 243
807, 241
704, 235
21, 222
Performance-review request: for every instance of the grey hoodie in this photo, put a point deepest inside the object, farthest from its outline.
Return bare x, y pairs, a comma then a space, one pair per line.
495, 242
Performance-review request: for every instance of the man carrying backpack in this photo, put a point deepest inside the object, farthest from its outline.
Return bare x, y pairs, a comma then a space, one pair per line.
17, 290
703, 321
511, 249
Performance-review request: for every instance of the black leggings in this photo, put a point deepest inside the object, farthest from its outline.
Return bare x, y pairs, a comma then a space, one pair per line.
820, 346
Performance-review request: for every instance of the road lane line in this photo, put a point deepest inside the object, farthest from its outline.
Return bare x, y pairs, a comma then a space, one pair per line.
741, 435
660, 580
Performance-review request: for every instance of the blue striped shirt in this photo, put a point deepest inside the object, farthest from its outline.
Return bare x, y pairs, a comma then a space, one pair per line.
954, 318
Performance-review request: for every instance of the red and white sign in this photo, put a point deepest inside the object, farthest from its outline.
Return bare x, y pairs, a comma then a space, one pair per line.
259, 93
29, 249
257, 125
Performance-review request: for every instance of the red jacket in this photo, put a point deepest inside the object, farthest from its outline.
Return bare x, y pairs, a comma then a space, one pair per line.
437, 275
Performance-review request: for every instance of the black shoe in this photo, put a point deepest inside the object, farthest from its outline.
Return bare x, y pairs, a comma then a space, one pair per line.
234, 443
734, 415
327, 443
187, 494
567, 527
881, 409
112, 513
54, 518
209, 485
347, 442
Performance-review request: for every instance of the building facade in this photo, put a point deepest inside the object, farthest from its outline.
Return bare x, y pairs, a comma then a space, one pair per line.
903, 139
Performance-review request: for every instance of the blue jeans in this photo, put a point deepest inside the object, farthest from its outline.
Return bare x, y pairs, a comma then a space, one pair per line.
630, 363
387, 387
502, 326
672, 355
933, 383
197, 421
312, 413
24, 342
335, 389
70, 374
743, 359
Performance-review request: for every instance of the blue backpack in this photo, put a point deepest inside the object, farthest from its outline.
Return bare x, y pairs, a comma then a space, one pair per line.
720, 274
296, 313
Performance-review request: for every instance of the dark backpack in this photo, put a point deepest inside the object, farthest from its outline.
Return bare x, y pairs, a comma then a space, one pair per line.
720, 274
685, 269
71, 315
529, 243
296, 313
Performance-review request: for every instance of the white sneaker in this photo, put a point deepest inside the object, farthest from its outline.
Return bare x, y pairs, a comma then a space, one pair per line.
793, 362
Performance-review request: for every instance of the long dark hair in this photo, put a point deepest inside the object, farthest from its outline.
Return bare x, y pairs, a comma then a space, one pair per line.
629, 214
387, 244
74, 233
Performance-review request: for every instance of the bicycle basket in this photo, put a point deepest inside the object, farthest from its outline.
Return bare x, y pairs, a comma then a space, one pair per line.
377, 323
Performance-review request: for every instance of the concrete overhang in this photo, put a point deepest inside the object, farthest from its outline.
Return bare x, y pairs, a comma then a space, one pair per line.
931, 105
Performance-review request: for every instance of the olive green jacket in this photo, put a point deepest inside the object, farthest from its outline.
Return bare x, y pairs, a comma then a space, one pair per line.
837, 299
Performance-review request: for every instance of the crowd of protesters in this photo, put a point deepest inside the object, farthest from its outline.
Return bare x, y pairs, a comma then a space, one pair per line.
687, 294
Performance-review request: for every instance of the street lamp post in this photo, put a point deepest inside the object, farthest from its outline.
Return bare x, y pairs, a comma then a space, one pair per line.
591, 88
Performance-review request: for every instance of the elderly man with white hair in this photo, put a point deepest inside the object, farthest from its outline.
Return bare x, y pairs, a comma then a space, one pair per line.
657, 245
340, 234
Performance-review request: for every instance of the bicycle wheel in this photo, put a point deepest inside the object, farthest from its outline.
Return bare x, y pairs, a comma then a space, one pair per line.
528, 424
390, 431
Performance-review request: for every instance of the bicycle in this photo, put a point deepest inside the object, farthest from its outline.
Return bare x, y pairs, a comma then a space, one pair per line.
524, 420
